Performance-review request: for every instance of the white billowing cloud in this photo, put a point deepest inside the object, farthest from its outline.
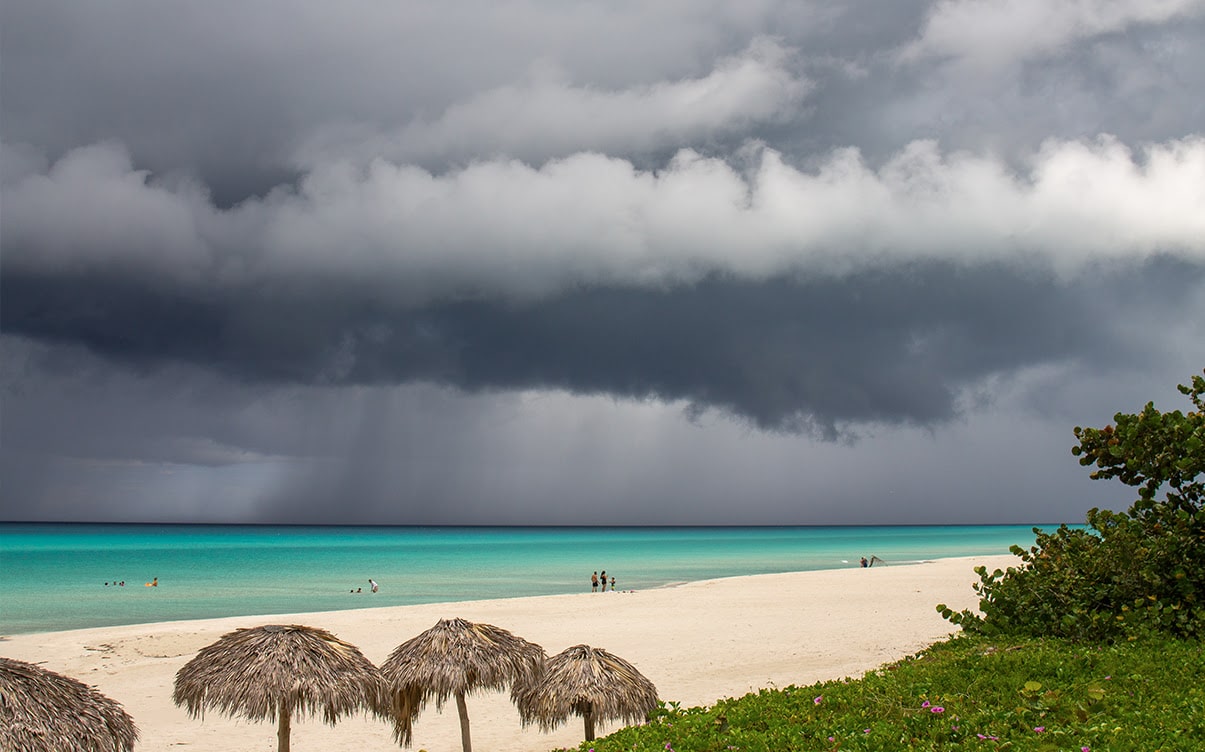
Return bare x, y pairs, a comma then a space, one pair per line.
512, 228
548, 116
507, 228
93, 209
990, 34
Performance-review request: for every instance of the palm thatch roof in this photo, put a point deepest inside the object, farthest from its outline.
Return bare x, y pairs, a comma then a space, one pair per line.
274, 672
41, 711
453, 659
588, 682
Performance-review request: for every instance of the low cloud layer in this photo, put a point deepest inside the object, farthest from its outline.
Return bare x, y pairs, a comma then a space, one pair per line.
519, 231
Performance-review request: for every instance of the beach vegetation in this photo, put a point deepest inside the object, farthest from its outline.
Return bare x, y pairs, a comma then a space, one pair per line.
971, 692
1128, 573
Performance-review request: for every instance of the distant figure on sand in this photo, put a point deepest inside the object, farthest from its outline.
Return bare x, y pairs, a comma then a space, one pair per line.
604, 580
612, 583
373, 583
594, 582
864, 562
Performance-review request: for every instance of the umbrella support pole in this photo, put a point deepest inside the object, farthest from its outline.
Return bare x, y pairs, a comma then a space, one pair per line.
282, 730
588, 717
463, 710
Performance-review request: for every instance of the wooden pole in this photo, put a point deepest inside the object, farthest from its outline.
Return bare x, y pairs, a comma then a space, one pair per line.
465, 741
282, 730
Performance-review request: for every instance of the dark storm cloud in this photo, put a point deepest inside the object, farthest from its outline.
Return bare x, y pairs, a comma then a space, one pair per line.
256, 256
894, 345
86, 440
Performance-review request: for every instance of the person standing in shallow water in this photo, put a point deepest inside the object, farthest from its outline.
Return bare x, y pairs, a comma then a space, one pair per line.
593, 582
604, 580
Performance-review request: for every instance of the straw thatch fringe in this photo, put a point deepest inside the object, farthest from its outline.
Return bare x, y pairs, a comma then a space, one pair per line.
455, 658
41, 711
587, 682
275, 672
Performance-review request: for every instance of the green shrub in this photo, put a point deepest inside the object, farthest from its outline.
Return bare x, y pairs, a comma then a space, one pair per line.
1130, 573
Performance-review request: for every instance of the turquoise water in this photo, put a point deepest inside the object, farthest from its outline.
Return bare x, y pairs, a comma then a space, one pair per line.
55, 575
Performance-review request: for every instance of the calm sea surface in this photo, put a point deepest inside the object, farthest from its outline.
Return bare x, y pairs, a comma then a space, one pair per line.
54, 575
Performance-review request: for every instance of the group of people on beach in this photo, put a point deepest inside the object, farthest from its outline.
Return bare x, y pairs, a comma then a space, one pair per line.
596, 579
122, 583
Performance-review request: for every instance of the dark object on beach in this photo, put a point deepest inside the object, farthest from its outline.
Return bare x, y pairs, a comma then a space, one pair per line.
453, 659
41, 711
873, 559
588, 682
274, 672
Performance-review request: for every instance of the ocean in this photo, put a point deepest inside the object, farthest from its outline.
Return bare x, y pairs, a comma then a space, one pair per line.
66, 576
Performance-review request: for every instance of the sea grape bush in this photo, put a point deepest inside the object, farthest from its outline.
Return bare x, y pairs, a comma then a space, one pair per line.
1131, 572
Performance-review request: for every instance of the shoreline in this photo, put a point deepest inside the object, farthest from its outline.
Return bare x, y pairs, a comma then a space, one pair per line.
697, 641
58, 573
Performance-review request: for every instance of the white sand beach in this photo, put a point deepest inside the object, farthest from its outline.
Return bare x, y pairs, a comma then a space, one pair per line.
697, 642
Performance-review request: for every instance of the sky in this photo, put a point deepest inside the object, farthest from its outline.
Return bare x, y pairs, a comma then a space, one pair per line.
591, 263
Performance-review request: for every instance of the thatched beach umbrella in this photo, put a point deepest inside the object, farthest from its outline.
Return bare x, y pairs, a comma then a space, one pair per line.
273, 672
453, 659
41, 711
589, 682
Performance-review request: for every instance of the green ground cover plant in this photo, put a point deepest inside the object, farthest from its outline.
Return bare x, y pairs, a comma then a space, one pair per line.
973, 692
